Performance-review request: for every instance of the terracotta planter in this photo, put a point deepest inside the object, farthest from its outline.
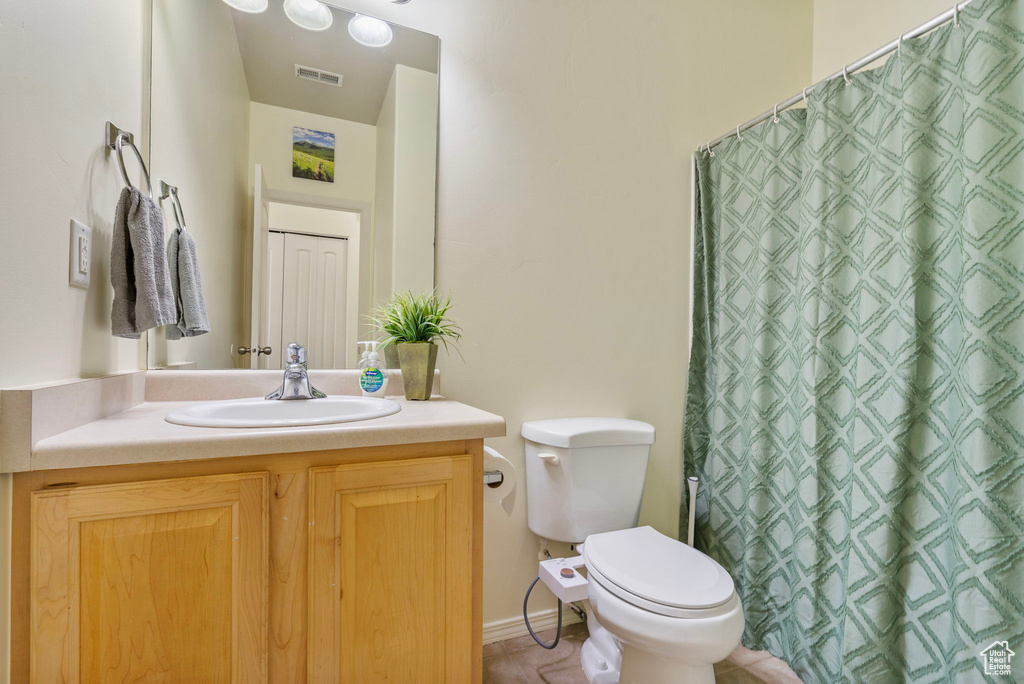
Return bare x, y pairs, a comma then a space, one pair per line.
417, 360
391, 357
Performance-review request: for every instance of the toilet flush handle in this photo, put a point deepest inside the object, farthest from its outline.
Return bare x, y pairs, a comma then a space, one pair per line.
550, 459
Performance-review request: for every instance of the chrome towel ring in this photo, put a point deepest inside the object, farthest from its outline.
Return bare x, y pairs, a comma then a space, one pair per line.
168, 190
116, 139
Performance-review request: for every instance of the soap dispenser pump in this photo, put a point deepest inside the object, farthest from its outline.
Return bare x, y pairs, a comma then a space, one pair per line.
373, 380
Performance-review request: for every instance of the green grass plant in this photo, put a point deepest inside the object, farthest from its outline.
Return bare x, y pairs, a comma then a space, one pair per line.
416, 317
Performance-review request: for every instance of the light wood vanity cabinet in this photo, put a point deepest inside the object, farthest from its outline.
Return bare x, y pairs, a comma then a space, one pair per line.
358, 565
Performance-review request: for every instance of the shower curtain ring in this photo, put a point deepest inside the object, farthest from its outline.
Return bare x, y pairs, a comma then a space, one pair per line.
738, 136
845, 77
899, 47
711, 152
775, 118
805, 95
956, 15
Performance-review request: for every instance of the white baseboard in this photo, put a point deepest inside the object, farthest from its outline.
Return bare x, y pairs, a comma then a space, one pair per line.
510, 628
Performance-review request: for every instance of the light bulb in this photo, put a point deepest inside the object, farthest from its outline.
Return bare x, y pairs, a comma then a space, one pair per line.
369, 31
250, 6
312, 15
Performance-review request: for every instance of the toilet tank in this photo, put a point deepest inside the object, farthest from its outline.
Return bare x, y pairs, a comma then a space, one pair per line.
584, 475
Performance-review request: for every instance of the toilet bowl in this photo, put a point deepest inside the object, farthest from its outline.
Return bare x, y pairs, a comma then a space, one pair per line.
673, 611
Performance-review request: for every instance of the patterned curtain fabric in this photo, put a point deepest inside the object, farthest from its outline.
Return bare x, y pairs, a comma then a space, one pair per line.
855, 405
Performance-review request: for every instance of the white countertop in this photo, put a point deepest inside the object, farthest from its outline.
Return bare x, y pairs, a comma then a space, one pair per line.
141, 435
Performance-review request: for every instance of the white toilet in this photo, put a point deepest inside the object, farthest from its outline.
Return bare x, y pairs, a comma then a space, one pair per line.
661, 611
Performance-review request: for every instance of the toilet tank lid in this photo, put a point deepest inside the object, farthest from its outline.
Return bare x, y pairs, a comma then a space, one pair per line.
569, 433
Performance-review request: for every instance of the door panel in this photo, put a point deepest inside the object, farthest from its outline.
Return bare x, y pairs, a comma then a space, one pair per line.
391, 572
151, 563
332, 304
298, 319
151, 581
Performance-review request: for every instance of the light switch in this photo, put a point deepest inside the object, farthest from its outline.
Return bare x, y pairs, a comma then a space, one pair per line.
81, 251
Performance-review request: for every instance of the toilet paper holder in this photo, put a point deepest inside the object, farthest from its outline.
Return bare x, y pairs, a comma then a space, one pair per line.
493, 478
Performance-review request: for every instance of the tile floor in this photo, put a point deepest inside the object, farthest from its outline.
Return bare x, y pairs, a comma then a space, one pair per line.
521, 661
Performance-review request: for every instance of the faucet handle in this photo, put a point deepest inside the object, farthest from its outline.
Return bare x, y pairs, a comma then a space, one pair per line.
295, 353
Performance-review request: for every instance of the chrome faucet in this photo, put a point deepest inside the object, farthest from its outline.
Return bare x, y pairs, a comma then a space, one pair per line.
295, 384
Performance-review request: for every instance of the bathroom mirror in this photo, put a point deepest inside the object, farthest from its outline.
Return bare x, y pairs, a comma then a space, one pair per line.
302, 142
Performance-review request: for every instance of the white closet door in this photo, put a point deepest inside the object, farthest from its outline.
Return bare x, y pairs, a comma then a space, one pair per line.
332, 302
275, 295
299, 301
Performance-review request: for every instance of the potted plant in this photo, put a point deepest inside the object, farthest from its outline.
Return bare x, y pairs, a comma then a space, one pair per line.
412, 322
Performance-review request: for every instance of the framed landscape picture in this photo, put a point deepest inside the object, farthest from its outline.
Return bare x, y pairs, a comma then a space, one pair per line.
312, 154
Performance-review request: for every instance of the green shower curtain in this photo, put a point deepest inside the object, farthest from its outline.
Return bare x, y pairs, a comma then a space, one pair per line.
855, 407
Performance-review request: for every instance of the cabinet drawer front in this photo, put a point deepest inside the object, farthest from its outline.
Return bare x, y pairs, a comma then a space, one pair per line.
391, 572
151, 581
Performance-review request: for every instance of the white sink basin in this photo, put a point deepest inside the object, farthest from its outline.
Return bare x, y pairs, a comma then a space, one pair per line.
251, 413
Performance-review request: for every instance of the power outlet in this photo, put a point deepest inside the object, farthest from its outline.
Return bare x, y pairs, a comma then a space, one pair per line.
80, 261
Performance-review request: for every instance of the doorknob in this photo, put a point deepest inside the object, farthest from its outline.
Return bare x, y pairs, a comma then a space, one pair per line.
258, 351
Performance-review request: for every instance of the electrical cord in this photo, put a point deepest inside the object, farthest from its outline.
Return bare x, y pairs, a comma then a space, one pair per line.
526, 618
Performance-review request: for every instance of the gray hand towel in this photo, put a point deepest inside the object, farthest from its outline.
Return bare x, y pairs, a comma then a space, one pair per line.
138, 267
187, 287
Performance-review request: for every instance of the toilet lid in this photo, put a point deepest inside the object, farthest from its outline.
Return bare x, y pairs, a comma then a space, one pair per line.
659, 569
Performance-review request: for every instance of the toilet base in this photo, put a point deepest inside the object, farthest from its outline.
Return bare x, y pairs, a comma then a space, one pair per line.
643, 667
606, 661
601, 655
640, 668
595, 666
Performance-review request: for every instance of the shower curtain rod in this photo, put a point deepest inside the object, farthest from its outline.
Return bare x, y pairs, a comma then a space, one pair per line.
845, 72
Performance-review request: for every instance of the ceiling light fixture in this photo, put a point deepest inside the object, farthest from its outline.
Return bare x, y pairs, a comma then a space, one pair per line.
369, 31
250, 6
309, 14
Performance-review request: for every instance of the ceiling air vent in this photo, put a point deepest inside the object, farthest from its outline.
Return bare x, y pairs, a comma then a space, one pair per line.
318, 75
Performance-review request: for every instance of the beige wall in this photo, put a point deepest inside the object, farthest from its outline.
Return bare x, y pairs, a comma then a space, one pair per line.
355, 155
406, 184
845, 30
412, 265
384, 203
295, 218
199, 142
563, 214
65, 69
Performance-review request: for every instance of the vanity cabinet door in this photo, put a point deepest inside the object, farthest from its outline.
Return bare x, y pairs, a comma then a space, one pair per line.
391, 572
151, 581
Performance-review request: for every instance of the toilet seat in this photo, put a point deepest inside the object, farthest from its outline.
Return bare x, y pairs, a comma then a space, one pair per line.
657, 573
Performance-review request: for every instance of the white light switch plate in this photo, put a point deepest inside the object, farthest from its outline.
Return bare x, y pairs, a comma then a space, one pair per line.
80, 262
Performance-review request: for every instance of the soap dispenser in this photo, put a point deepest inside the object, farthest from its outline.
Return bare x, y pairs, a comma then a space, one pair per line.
373, 380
